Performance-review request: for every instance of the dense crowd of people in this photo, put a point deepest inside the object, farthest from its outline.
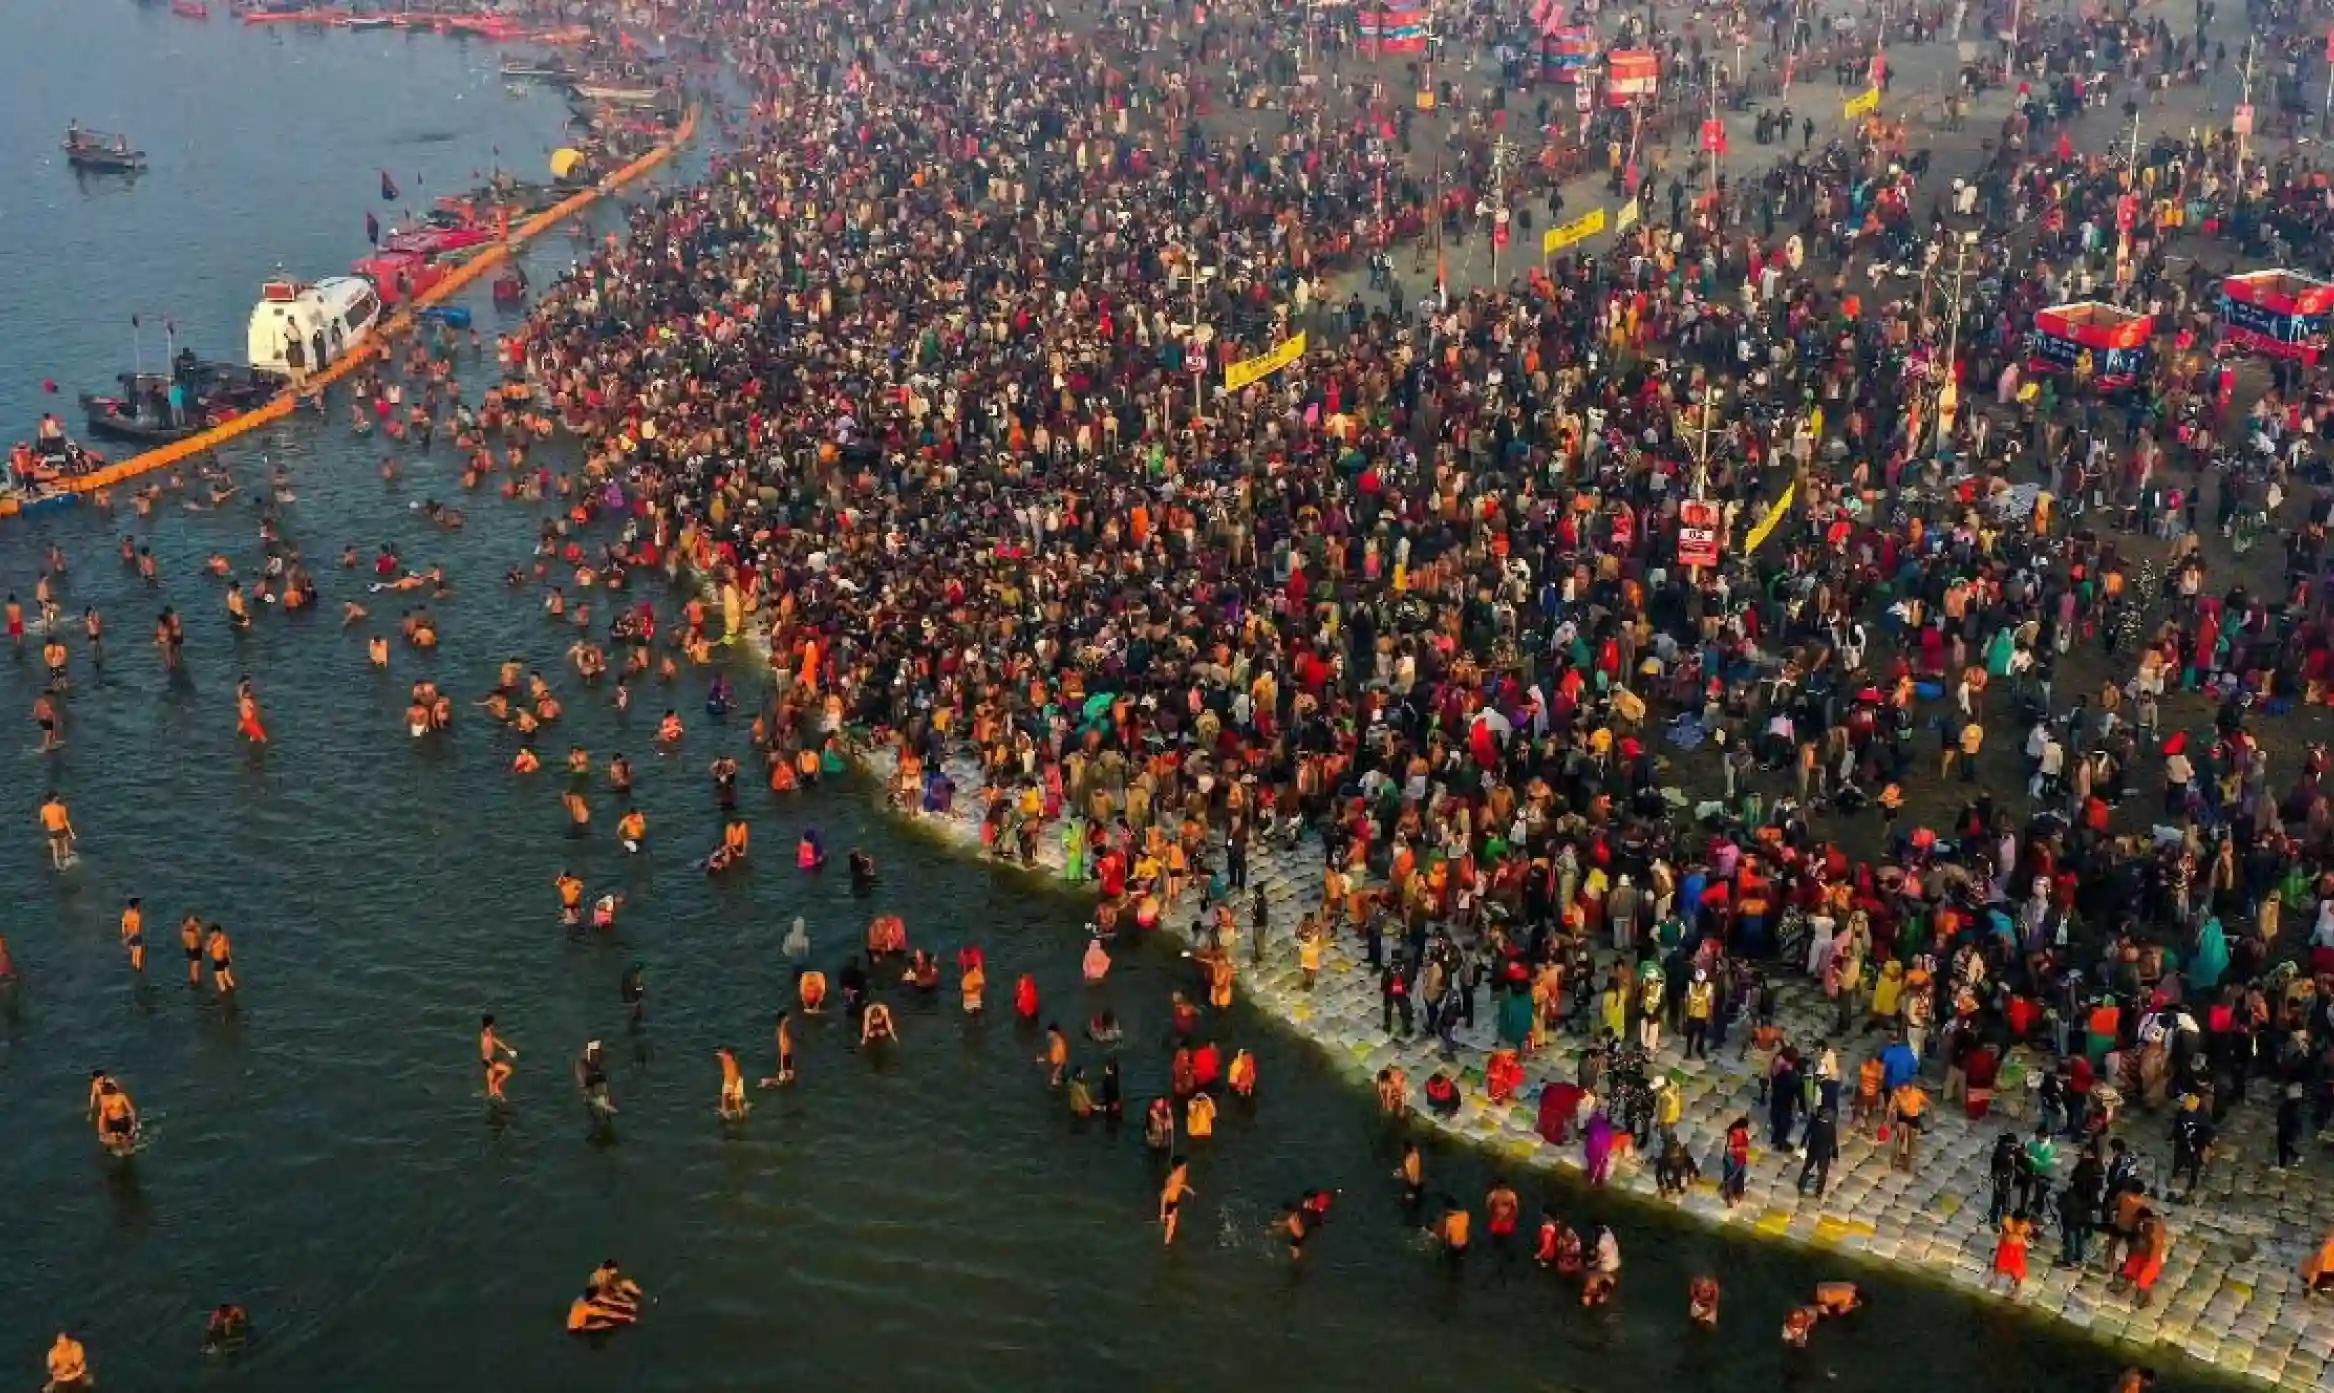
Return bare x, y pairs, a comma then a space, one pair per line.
1963, 719
927, 381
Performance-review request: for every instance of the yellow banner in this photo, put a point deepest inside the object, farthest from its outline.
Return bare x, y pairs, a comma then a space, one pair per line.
1263, 365
1864, 105
1774, 515
1627, 217
1580, 229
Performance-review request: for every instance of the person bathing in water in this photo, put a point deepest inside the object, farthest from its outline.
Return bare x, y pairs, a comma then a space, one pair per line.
116, 1116
591, 1080
733, 1086
785, 1034
497, 1056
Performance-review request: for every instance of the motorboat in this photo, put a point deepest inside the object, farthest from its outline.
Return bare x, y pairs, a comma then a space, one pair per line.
327, 318
190, 9
41, 468
438, 241
273, 14
398, 276
616, 94
210, 393
537, 70
101, 150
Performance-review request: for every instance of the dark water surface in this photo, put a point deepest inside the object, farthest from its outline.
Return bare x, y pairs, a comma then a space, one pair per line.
928, 1219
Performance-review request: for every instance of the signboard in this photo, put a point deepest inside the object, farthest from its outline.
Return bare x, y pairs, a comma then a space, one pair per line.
2266, 330
1714, 137
1580, 229
1263, 365
2242, 122
1697, 533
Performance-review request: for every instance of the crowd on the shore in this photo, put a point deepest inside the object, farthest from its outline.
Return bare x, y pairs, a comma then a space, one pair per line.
928, 382
911, 381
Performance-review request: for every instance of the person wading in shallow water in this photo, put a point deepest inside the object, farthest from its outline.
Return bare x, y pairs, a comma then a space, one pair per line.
496, 1057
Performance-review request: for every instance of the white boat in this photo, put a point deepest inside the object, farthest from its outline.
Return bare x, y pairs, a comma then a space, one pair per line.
328, 318
617, 96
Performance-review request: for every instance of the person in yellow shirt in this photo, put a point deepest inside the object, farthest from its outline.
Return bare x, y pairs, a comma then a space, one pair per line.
1963, 751
1199, 1117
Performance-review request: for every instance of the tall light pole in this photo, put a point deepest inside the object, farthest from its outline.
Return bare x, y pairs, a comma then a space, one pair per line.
1713, 135
2245, 132
1710, 395
1949, 383
1199, 379
1431, 101
1499, 223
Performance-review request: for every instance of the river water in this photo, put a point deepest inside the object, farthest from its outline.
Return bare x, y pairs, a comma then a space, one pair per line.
927, 1219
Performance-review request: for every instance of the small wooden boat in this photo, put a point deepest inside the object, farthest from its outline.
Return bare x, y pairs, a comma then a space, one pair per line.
617, 95
534, 70
369, 22
102, 151
190, 9
273, 15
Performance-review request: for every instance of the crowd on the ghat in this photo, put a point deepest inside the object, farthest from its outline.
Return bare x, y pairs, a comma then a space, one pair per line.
927, 380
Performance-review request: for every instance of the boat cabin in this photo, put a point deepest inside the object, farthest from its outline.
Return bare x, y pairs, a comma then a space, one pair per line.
327, 318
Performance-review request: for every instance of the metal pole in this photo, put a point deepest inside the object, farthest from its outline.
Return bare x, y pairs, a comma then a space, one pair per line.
1199, 380
1434, 109
1946, 381
1713, 189
1498, 201
2245, 136
1702, 463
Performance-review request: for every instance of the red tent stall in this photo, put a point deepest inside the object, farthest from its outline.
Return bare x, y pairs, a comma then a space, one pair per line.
2116, 339
2280, 313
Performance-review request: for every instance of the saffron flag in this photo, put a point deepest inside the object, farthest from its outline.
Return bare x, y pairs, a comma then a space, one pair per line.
1766, 524
1263, 365
1580, 229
